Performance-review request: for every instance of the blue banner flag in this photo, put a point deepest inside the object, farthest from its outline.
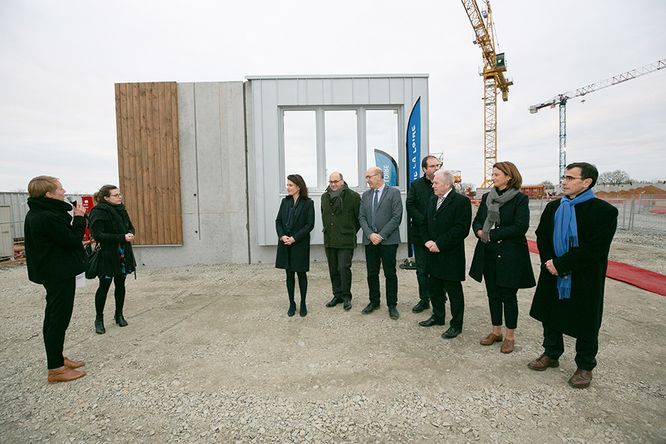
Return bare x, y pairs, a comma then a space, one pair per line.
414, 143
388, 165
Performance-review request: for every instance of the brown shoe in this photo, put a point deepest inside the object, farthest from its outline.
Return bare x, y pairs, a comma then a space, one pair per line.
543, 362
490, 339
507, 345
70, 363
581, 379
64, 374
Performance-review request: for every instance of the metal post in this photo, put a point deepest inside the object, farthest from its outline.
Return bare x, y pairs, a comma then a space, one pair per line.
563, 135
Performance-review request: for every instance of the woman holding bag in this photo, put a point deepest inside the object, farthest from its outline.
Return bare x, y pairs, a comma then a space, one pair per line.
112, 229
501, 256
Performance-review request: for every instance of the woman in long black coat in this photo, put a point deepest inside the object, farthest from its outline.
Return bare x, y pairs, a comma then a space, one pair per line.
501, 256
294, 222
112, 229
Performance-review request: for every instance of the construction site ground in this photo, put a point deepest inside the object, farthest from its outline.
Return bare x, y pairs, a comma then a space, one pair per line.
211, 356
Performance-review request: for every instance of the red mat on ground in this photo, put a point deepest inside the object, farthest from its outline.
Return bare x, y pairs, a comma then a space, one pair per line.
638, 277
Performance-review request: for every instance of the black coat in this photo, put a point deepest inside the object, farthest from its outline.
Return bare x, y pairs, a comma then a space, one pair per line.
53, 243
295, 257
448, 227
418, 197
340, 224
579, 316
508, 244
109, 224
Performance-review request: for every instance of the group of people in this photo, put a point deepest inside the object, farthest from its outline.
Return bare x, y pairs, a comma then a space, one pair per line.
573, 236
55, 256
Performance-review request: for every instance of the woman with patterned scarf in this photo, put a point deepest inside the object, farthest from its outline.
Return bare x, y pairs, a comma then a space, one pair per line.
112, 229
501, 256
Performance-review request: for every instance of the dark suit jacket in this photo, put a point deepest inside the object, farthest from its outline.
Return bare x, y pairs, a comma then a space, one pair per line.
448, 227
387, 218
509, 248
295, 257
418, 197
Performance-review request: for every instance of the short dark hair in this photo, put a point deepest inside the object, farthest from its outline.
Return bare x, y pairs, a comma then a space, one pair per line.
587, 171
300, 183
424, 161
511, 170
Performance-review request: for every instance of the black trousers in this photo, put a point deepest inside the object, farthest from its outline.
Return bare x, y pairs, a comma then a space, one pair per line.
118, 293
499, 298
421, 258
586, 348
58, 313
339, 269
377, 256
302, 284
439, 289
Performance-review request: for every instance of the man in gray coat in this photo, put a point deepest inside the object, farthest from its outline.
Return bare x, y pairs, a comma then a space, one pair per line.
339, 216
380, 216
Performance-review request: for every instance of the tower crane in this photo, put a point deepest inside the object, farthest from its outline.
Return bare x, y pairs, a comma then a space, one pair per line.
494, 66
561, 100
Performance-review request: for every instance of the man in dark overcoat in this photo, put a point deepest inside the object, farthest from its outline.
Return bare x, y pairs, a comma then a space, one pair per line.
339, 215
574, 237
380, 216
449, 217
418, 197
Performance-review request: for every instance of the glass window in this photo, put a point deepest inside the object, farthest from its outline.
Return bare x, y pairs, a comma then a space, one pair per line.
300, 145
382, 143
342, 144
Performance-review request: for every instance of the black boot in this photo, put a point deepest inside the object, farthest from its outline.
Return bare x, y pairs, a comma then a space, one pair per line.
292, 308
304, 309
120, 320
99, 325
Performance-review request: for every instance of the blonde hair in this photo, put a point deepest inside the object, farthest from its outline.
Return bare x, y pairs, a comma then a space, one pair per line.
40, 185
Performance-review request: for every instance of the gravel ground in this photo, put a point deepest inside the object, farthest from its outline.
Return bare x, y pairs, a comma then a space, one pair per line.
210, 356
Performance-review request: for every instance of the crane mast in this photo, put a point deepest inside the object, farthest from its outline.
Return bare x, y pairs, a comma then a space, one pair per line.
561, 100
494, 66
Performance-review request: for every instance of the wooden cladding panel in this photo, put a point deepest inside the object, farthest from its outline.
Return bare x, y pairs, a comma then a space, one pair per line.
149, 160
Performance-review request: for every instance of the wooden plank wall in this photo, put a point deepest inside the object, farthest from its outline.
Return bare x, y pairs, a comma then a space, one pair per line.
148, 160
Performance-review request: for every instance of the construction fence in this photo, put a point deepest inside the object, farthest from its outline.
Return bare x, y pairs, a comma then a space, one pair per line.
642, 213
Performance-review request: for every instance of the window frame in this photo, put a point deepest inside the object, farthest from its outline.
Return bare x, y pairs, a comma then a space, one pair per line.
361, 137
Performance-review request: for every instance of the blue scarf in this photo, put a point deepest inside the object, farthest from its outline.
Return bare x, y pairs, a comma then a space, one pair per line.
565, 235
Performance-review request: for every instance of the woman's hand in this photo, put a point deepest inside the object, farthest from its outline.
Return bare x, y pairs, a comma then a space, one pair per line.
129, 237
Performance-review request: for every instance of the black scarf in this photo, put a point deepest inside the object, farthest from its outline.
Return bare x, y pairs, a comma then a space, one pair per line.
117, 214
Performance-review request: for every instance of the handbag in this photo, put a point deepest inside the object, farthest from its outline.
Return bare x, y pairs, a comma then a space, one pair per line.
93, 263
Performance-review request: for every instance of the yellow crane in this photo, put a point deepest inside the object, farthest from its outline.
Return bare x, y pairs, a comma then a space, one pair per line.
494, 67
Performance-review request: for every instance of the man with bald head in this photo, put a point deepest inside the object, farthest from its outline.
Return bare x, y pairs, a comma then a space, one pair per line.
339, 215
380, 216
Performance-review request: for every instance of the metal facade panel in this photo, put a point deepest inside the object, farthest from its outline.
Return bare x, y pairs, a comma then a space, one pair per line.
288, 92
379, 91
360, 91
6, 239
315, 91
342, 91
396, 91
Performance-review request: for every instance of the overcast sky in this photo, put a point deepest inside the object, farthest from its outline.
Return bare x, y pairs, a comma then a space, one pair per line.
60, 60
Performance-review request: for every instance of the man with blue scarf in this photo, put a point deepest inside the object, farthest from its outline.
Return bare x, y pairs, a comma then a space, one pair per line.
574, 237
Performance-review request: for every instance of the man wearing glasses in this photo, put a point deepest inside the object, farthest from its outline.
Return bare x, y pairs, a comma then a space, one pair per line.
380, 216
419, 195
574, 237
339, 215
